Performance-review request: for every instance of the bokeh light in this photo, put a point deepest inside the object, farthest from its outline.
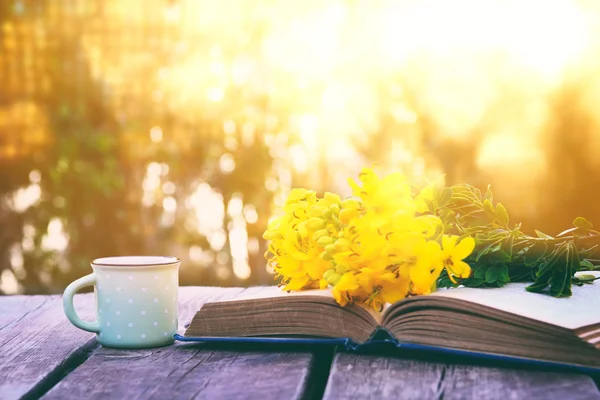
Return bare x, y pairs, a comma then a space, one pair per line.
179, 126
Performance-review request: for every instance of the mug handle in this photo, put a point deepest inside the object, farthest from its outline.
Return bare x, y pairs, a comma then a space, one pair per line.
74, 287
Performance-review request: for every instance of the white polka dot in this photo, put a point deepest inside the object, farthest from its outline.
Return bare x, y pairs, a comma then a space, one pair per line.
173, 298
118, 336
100, 310
100, 334
143, 312
107, 323
155, 300
118, 312
143, 289
143, 336
130, 277
166, 310
165, 333
155, 277
155, 323
130, 324
118, 289
107, 300
130, 301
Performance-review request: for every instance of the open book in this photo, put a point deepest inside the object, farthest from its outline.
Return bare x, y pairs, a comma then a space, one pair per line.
506, 322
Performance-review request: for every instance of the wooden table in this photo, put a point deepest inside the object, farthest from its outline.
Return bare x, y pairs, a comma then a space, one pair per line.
43, 355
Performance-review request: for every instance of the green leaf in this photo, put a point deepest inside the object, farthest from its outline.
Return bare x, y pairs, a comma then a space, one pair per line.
500, 255
488, 207
536, 287
502, 214
542, 235
560, 273
492, 274
473, 282
535, 253
480, 272
586, 265
586, 278
583, 223
488, 248
507, 245
588, 251
504, 274
488, 194
445, 196
566, 231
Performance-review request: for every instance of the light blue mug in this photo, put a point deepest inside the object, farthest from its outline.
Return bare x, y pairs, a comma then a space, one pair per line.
136, 300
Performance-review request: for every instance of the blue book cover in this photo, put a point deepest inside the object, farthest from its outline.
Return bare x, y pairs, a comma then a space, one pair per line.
507, 324
375, 345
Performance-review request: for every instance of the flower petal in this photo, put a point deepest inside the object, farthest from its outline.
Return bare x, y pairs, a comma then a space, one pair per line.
463, 248
462, 269
449, 242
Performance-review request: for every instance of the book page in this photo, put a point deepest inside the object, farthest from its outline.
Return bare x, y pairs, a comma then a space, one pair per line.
267, 292
579, 310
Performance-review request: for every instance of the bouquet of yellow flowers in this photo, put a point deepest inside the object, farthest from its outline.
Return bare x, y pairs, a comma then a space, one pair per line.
378, 247
393, 239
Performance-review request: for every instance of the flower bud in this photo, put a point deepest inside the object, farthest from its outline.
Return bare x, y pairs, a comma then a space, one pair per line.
334, 278
342, 244
341, 269
315, 224
328, 273
319, 234
325, 241
330, 248
335, 209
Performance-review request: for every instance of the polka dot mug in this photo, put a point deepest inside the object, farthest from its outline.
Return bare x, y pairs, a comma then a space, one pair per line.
136, 298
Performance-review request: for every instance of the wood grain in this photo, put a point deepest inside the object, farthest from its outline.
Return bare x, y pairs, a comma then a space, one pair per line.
376, 377
185, 371
42, 353
37, 342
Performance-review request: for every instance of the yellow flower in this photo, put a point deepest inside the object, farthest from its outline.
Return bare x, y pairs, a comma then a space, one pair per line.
385, 198
454, 253
422, 259
297, 238
372, 287
373, 249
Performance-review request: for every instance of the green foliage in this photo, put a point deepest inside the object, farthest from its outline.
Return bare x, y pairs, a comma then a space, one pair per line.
504, 253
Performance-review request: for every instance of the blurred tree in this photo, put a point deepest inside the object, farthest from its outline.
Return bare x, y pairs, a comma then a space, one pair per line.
84, 144
572, 180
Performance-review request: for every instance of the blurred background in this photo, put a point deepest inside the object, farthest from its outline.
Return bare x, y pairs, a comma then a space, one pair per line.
178, 127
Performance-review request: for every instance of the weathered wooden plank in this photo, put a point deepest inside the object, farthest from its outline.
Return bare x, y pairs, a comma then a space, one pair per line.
462, 381
376, 377
187, 370
37, 342
38, 345
13, 308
